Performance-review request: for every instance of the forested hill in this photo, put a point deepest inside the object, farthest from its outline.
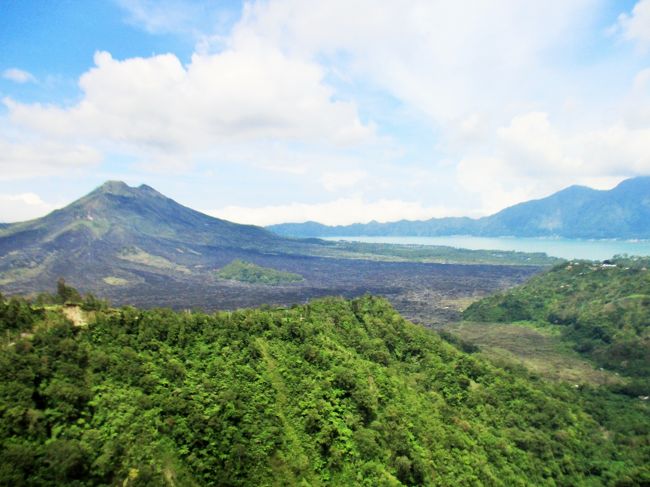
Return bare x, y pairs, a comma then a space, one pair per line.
602, 309
330, 393
575, 212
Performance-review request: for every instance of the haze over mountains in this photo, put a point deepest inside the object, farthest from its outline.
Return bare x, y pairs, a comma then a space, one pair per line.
575, 212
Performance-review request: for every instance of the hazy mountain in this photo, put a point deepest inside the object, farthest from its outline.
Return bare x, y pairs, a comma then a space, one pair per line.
116, 211
575, 212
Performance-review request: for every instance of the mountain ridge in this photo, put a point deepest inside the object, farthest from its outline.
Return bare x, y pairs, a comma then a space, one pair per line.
573, 212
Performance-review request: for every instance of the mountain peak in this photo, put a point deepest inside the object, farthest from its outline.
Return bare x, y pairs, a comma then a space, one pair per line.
114, 187
120, 188
639, 182
144, 188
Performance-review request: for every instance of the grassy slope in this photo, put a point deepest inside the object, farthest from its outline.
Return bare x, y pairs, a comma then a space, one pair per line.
540, 350
335, 392
602, 310
239, 270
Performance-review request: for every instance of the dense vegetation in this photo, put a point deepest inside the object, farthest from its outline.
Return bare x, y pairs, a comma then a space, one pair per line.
603, 309
334, 392
239, 270
18, 315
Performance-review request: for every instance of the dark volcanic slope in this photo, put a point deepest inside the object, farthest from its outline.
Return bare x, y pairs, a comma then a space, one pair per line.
115, 234
575, 212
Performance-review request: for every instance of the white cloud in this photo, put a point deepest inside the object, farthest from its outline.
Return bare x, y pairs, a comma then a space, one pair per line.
161, 16
531, 143
636, 25
201, 20
448, 59
342, 211
335, 181
158, 105
485, 84
18, 75
636, 103
532, 158
492, 179
33, 158
24, 206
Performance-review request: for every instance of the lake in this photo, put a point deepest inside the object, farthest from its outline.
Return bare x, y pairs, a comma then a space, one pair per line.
556, 247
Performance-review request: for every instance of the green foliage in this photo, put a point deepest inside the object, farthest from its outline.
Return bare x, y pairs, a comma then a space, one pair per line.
602, 308
66, 294
239, 270
16, 315
334, 392
90, 302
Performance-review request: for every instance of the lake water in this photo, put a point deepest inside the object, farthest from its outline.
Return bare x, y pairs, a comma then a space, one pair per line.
556, 247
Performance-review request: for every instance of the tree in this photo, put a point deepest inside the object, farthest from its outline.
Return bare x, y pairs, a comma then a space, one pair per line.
66, 294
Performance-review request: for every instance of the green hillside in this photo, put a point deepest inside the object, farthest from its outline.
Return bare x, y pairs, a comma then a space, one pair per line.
333, 392
239, 270
602, 309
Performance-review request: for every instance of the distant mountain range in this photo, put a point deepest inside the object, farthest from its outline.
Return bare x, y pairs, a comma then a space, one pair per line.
575, 212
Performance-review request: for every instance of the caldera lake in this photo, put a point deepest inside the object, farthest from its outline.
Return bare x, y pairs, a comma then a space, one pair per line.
556, 247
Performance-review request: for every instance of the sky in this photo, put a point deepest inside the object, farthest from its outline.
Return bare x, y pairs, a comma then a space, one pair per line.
340, 111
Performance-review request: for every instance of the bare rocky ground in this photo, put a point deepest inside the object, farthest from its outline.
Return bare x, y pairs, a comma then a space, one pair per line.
430, 294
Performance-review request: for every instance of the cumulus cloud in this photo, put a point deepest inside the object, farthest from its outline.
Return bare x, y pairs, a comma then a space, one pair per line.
342, 211
635, 26
24, 206
294, 85
18, 75
157, 104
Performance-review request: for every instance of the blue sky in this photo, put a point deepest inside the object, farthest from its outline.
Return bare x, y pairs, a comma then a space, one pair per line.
292, 110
